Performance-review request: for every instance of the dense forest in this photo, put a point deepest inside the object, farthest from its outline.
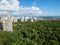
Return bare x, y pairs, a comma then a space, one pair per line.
42, 32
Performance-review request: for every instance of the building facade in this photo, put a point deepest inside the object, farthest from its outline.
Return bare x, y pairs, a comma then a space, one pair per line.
6, 21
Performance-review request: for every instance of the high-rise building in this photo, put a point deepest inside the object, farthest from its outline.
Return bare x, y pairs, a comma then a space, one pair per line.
7, 22
22, 19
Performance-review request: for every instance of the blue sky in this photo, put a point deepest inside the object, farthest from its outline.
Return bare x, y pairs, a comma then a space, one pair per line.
31, 7
52, 6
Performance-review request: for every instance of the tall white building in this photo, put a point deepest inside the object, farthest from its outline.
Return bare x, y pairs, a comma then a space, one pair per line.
22, 19
15, 19
32, 20
7, 22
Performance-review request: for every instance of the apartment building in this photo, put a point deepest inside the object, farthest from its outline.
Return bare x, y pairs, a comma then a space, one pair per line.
6, 22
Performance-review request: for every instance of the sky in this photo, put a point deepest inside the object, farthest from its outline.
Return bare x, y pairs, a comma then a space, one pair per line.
31, 7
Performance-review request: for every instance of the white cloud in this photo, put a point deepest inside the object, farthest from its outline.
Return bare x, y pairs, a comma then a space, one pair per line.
9, 5
47, 13
30, 10
14, 6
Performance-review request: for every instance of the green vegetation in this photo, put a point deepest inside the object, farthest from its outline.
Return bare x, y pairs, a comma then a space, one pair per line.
42, 32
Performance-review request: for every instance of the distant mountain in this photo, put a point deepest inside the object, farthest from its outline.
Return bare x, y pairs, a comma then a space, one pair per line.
36, 16
40, 16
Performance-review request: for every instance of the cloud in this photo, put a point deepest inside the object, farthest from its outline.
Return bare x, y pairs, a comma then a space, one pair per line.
30, 10
47, 13
13, 7
9, 5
